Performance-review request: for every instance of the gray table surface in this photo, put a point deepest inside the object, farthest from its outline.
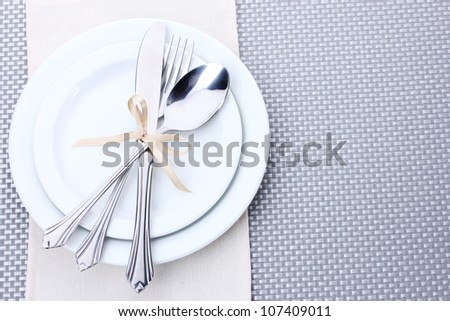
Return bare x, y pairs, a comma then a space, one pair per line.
376, 76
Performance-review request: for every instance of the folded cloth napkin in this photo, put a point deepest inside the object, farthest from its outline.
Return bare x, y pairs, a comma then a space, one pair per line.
221, 271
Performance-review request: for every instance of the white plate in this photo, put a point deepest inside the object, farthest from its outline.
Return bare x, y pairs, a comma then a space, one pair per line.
95, 90
200, 233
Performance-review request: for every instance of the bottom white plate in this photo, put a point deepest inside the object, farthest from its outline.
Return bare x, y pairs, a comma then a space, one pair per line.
197, 235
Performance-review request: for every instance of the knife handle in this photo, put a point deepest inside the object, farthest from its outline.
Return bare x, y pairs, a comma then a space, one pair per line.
58, 234
140, 266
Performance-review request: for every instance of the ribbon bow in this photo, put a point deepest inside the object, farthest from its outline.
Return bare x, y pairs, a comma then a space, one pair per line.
139, 110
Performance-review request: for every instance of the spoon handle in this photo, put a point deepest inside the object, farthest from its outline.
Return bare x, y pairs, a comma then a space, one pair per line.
90, 251
140, 266
58, 234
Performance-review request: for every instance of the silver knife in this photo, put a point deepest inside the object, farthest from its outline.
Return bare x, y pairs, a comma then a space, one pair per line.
148, 85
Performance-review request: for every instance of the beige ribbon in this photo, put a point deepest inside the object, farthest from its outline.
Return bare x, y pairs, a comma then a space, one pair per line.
139, 110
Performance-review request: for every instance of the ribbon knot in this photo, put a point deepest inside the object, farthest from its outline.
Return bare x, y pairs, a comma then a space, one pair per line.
139, 110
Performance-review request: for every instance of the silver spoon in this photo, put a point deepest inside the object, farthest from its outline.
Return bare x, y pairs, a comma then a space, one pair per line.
57, 234
192, 102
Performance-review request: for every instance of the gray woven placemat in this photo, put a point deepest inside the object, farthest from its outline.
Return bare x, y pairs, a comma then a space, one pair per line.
13, 217
377, 77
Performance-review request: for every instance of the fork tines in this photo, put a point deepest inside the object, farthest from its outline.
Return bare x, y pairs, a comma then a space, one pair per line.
177, 59
176, 64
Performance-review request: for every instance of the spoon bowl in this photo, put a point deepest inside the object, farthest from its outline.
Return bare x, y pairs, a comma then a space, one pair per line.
196, 97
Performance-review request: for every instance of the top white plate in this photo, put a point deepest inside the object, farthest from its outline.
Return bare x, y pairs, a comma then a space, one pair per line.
89, 99
207, 228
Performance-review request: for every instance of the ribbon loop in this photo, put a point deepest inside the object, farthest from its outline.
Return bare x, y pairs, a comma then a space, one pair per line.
139, 110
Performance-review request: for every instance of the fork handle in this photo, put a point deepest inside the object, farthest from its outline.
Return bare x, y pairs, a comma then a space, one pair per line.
140, 266
58, 234
90, 251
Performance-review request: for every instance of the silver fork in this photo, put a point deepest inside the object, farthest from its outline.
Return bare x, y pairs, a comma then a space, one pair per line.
176, 65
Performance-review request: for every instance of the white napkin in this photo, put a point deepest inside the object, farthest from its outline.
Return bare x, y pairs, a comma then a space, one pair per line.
221, 271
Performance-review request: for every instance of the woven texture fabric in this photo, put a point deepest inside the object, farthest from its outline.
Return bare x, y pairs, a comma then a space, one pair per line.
13, 217
374, 75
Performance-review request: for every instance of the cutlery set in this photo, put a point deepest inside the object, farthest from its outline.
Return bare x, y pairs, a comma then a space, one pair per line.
164, 88
81, 90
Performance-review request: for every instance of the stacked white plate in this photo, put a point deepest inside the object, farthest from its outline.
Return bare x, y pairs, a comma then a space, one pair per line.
81, 91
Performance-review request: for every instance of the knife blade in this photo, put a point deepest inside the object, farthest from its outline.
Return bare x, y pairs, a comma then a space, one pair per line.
149, 71
148, 85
